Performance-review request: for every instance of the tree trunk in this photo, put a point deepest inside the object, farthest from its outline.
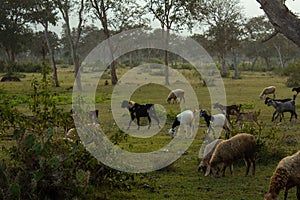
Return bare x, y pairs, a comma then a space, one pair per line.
166, 36
283, 20
52, 58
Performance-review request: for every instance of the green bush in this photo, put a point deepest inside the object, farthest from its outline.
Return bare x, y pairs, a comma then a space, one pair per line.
293, 72
43, 164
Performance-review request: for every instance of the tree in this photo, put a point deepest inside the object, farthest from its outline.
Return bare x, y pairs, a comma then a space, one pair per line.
116, 16
44, 13
65, 7
172, 15
224, 21
14, 32
283, 20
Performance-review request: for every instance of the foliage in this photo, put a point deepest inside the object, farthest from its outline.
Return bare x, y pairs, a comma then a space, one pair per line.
293, 72
42, 164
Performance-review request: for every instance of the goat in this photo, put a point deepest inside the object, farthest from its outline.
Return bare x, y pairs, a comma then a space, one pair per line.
217, 120
176, 94
229, 110
296, 89
185, 118
250, 117
278, 100
281, 107
268, 90
140, 110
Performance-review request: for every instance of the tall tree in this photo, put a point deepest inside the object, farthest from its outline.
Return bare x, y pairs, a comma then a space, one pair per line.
283, 20
66, 7
14, 30
172, 15
116, 16
44, 13
224, 20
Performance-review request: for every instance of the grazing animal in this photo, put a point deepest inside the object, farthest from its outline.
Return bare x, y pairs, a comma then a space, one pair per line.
239, 146
208, 151
278, 100
229, 110
217, 120
140, 110
281, 107
268, 90
296, 89
285, 176
176, 94
250, 117
185, 118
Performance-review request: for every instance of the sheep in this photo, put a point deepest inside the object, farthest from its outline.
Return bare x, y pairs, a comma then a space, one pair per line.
140, 110
285, 176
229, 110
281, 107
239, 146
267, 90
208, 151
296, 89
176, 94
217, 120
185, 118
250, 117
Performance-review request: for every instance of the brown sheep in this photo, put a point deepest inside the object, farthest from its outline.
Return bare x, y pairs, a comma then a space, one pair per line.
268, 90
176, 94
285, 176
208, 151
239, 146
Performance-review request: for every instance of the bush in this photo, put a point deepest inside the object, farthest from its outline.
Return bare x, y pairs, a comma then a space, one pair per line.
293, 72
44, 165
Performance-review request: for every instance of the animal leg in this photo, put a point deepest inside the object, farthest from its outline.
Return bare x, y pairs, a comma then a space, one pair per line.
298, 192
138, 122
149, 120
223, 169
248, 163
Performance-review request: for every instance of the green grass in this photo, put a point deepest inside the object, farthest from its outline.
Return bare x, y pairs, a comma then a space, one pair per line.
181, 179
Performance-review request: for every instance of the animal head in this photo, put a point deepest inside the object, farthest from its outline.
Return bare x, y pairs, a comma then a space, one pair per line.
169, 100
202, 167
269, 101
127, 104
172, 132
212, 170
270, 196
202, 113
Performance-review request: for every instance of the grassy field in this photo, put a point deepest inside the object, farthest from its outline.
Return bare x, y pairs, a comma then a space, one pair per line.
181, 180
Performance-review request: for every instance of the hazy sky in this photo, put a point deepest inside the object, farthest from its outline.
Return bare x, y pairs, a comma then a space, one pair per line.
252, 7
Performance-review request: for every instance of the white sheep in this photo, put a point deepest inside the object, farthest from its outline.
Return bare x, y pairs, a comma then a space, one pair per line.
226, 152
208, 151
185, 118
176, 94
285, 176
268, 90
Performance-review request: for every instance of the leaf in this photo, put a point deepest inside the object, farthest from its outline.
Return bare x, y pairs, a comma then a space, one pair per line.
38, 175
29, 141
14, 189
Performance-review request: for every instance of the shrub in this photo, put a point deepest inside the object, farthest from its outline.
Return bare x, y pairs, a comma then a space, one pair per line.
293, 72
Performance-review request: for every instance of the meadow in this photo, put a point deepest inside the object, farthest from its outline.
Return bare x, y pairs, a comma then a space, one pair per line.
180, 180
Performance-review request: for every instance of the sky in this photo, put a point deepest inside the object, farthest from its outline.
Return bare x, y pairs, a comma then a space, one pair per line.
251, 9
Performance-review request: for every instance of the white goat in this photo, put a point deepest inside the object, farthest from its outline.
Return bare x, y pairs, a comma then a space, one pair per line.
215, 121
176, 94
185, 118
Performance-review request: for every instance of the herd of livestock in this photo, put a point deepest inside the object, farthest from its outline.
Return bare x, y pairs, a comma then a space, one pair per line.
241, 146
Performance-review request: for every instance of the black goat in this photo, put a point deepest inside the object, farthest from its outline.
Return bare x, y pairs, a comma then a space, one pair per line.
140, 110
296, 89
278, 100
281, 107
